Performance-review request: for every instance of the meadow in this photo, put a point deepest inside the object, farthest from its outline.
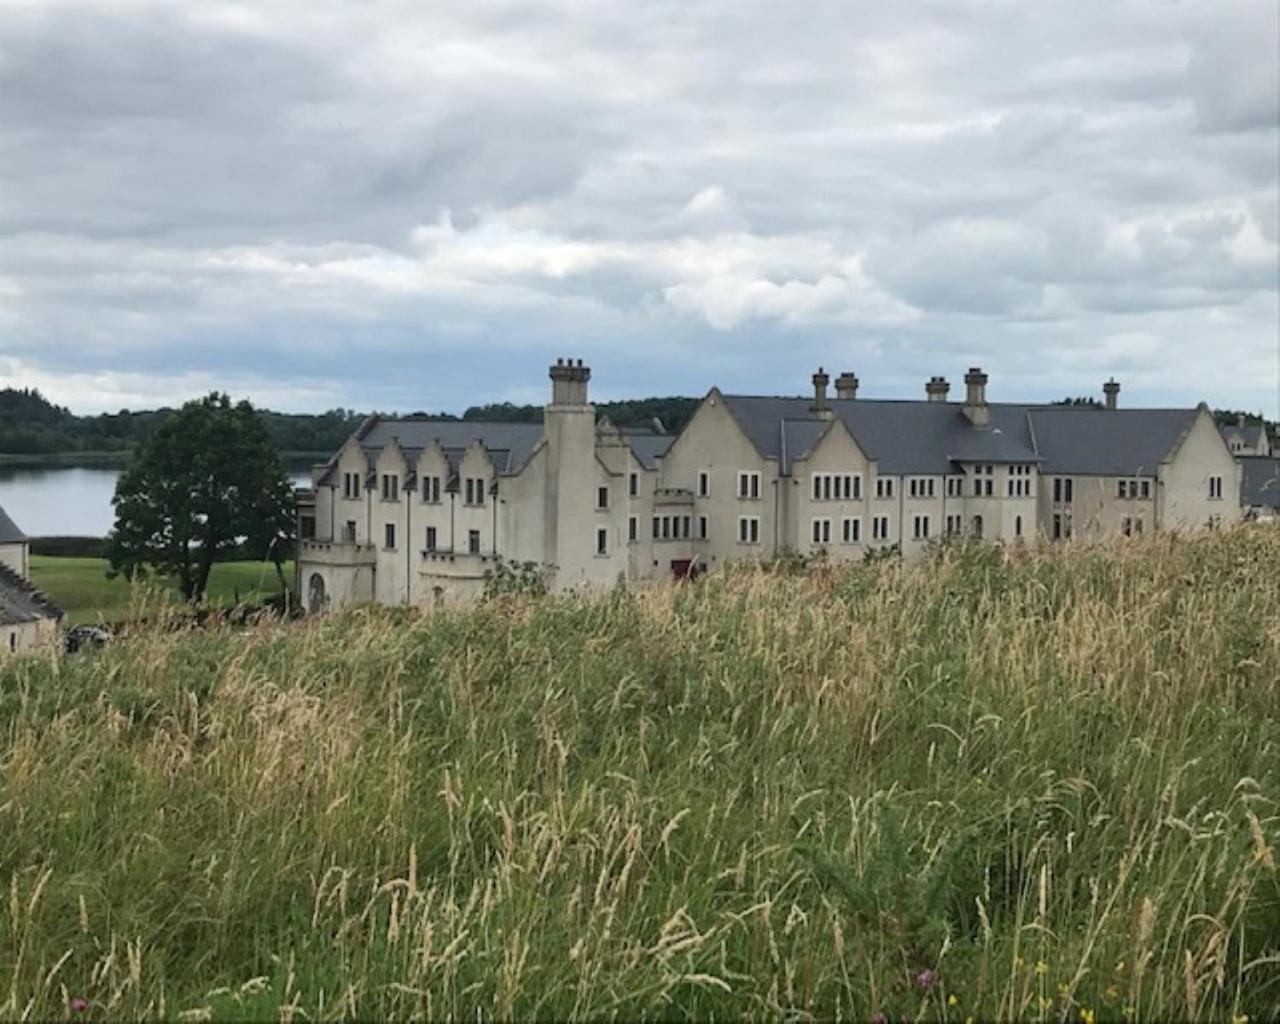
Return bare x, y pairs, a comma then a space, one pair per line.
1025, 787
80, 587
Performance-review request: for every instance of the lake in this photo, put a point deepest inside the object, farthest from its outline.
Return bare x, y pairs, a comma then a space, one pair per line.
62, 501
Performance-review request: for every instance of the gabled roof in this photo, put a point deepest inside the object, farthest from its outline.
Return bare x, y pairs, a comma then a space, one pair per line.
930, 438
904, 437
648, 447
9, 532
21, 602
1260, 483
508, 445
1250, 434
1107, 442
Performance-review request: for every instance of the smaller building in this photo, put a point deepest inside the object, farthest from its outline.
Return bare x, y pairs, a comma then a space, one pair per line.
1245, 439
28, 619
1260, 488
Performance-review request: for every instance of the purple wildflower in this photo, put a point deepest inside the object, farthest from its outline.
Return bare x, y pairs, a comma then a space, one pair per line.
79, 1005
926, 979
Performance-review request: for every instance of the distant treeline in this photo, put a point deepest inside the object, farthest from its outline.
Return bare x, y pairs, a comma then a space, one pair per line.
32, 425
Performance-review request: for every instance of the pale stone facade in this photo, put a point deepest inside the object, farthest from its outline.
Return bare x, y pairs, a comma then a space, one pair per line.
28, 619
414, 511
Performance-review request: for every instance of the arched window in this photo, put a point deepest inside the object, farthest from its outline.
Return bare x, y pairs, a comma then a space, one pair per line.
315, 594
977, 527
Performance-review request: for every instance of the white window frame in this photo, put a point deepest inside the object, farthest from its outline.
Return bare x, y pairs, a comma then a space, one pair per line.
749, 530
602, 541
917, 522
879, 527
821, 531
851, 530
748, 485
704, 483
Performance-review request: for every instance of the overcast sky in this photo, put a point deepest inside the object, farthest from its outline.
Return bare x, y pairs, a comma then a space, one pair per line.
419, 205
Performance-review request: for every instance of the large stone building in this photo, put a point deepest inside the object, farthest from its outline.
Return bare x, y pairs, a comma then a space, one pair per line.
415, 511
28, 619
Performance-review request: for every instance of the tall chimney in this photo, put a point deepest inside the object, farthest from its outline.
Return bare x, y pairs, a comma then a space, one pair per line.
569, 382
1111, 389
820, 380
937, 389
975, 401
1240, 421
847, 385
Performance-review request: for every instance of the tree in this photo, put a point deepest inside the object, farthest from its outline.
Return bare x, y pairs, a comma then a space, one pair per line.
206, 480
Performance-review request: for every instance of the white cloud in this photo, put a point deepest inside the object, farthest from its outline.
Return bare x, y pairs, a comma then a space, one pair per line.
380, 197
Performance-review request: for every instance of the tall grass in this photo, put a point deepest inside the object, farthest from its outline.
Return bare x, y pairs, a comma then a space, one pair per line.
1040, 787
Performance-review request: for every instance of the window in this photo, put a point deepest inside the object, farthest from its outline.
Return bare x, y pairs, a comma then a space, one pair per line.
851, 530
748, 529
955, 486
473, 541
1215, 488
349, 531
920, 527
984, 485
474, 490
602, 497
307, 527
602, 540
703, 527
1017, 526
1144, 489
390, 487
880, 528
633, 529
977, 526
389, 535
955, 526
836, 486
633, 484
1019, 482
431, 490
656, 522
748, 485
1063, 488
431, 538
686, 525
822, 531
704, 483
13, 641
921, 487
351, 485
884, 487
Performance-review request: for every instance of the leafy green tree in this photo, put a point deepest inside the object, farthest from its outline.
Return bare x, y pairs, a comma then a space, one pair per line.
206, 480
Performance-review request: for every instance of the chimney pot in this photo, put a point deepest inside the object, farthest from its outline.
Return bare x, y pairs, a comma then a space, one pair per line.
937, 389
975, 402
820, 380
1111, 389
847, 385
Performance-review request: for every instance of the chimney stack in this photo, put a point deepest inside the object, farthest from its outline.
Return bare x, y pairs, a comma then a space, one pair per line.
1240, 421
1111, 389
975, 402
937, 389
569, 382
820, 380
847, 385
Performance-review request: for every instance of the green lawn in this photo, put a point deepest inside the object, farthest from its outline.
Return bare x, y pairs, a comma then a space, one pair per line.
81, 588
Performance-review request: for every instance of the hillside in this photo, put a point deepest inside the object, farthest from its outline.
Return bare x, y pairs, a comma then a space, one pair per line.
1043, 788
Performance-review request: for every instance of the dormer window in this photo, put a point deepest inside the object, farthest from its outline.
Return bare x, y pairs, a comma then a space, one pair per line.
390, 487
473, 490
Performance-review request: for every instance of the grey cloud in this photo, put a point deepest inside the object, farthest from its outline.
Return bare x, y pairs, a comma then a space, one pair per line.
684, 193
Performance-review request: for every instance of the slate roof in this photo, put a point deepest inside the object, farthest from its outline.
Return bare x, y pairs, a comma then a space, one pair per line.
928, 438
9, 532
1250, 434
1260, 486
648, 447
1100, 442
21, 602
906, 437
508, 445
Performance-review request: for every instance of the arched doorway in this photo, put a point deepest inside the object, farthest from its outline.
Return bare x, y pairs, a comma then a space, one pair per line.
315, 594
